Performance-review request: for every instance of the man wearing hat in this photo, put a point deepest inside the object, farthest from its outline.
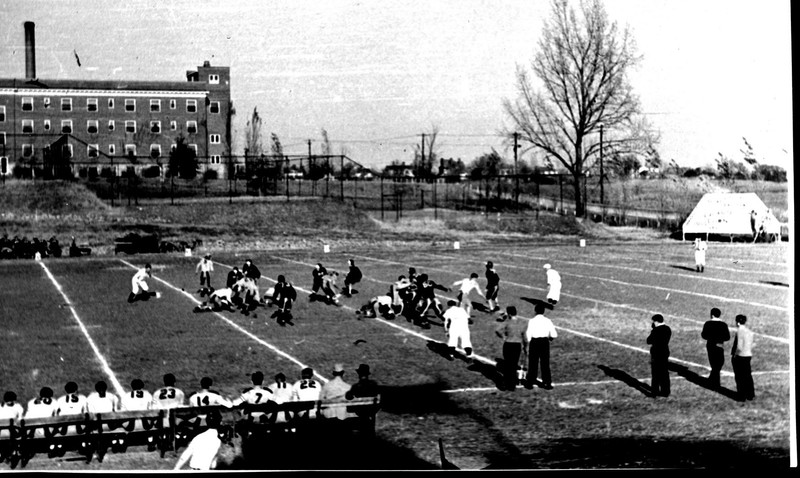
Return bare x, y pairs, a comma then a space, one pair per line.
365, 387
204, 268
335, 390
553, 284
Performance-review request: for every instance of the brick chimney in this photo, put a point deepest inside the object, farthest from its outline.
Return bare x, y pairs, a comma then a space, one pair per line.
30, 51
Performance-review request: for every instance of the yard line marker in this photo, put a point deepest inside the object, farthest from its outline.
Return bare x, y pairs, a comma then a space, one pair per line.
103, 362
695, 276
647, 286
232, 324
598, 301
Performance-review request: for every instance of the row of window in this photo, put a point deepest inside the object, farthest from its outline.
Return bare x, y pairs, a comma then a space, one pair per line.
93, 127
130, 105
212, 139
93, 151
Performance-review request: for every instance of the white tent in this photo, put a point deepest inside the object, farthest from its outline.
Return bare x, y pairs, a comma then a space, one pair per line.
730, 214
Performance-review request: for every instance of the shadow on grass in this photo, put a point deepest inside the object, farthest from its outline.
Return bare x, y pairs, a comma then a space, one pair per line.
698, 379
625, 378
480, 307
684, 268
779, 284
536, 302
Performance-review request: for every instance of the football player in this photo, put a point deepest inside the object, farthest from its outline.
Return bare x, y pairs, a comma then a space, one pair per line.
139, 288
306, 389
468, 285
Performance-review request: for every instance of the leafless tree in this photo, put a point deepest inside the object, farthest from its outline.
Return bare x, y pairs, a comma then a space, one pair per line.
424, 163
252, 135
581, 63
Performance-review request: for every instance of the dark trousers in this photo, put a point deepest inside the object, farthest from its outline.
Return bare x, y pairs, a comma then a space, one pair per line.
539, 351
716, 359
511, 353
660, 373
744, 377
205, 279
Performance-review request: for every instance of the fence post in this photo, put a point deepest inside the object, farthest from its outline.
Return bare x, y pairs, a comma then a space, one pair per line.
435, 207
421, 198
381, 197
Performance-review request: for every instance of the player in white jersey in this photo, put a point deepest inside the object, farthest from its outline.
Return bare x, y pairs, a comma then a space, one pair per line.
218, 300
10, 409
380, 306
71, 403
42, 406
138, 398
281, 393
205, 267
101, 400
306, 389
206, 397
255, 395
468, 285
139, 288
168, 396
456, 324
553, 284
700, 247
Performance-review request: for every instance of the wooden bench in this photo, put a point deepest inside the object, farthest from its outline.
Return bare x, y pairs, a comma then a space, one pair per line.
118, 430
54, 436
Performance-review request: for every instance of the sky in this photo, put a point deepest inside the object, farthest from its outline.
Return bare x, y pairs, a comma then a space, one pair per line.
377, 74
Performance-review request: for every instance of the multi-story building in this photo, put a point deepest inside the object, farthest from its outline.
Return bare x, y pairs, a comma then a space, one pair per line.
80, 126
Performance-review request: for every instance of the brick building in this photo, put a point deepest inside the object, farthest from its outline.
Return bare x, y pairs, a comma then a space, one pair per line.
77, 127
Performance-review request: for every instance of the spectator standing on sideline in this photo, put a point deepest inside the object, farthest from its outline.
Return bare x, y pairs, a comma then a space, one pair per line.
234, 276
741, 355
203, 449
553, 285
660, 333
538, 335
492, 287
365, 387
168, 396
101, 400
700, 247
456, 325
715, 333
353, 277
512, 331
205, 267
335, 389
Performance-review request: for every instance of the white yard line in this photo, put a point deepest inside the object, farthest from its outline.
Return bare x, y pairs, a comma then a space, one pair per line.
611, 304
233, 324
100, 358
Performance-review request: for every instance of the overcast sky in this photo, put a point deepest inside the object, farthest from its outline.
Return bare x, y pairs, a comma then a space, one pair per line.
378, 74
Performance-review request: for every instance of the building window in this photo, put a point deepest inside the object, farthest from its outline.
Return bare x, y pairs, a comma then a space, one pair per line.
191, 127
173, 147
111, 125
111, 103
2, 114
27, 103
214, 159
130, 150
112, 149
66, 126
155, 106
155, 151
130, 104
46, 102
91, 104
191, 106
213, 79
92, 126
130, 126
66, 150
193, 147
214, 107
27, 150
155, 127
47, 125
173, 125
214, 139
3, 165
173, 104
92, 151
27, 126
66, 104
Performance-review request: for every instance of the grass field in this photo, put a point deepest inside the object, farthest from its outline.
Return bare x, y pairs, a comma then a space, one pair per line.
67, 319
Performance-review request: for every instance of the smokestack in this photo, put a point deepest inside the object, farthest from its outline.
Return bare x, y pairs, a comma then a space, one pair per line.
30, 51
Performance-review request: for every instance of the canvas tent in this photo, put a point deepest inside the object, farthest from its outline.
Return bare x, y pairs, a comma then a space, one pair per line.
730, 214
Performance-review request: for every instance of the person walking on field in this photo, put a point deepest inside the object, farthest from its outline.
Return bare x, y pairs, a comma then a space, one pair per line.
741, 355
205, 267
512, 331
553, 285
538, 335
715, 332
700, 247
658, 339
456, 324
492, 287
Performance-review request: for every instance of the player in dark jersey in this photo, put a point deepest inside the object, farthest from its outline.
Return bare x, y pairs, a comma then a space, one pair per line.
492, 287
353, 277
284, 296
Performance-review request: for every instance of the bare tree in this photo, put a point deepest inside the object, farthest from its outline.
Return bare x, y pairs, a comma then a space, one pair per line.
252, 135
424, 160
582, 63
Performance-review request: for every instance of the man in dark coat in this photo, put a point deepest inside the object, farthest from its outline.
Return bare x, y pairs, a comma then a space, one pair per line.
715, 332
659, 356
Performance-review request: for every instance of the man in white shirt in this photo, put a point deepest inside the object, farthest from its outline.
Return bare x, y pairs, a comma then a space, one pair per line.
42, 406
203, 449
101, 400
539, 334
306, 389
335, 390
700, 247
456, 324
71, 403
282, 393
553, 285
468, 285
205, 267
742, 354
255, 395
10, 409
167, 396
139, 288
138, 398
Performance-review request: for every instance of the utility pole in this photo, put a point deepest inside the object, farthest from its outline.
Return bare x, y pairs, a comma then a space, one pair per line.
516, 170
422, 159
602, 195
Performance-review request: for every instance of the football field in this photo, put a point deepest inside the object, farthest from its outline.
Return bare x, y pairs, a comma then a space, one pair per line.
68, 319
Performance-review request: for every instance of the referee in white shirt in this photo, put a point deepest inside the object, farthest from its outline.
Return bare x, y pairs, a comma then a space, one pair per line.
203, 449
539, 334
